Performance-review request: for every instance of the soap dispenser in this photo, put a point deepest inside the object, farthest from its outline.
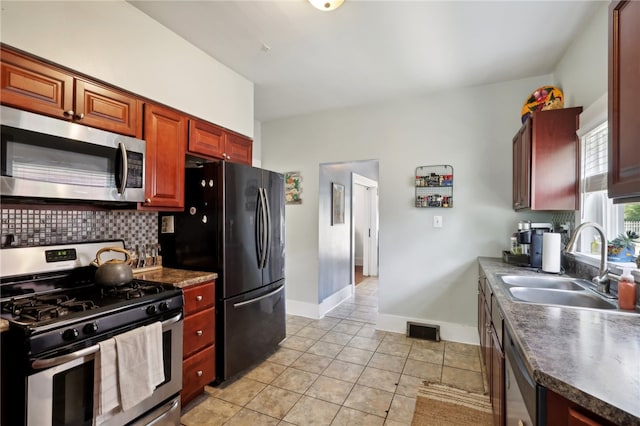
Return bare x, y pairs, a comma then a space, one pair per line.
627, 290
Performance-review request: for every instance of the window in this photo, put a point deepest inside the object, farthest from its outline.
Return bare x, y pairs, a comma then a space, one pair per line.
595, 204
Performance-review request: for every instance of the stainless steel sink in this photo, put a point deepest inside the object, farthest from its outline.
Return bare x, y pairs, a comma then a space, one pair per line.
550, 282
581, 299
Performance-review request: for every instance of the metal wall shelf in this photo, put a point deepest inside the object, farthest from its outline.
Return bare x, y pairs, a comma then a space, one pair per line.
434, 186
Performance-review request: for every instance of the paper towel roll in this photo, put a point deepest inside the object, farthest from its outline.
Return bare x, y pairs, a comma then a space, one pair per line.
551, 252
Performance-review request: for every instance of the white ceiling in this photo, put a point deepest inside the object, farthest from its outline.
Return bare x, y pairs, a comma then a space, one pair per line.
303, 60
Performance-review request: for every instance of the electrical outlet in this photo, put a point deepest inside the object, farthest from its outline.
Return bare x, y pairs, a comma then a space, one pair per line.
167, 225
437, 221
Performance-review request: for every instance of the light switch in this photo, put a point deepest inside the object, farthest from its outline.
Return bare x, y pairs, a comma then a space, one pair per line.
437, 221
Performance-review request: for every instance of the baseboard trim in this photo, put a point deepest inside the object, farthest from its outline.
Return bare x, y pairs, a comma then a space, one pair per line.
335, 299
310, 310
302, 309
448, 331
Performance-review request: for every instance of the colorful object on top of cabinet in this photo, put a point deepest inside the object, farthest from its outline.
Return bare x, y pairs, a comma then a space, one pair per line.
542, 99
434, 186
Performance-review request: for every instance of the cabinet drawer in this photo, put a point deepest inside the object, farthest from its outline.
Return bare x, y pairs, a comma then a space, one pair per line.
197, 371
198, 297
199, 331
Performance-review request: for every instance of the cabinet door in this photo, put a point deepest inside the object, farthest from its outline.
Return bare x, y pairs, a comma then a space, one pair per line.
238, 149
497, 381
522, 167
624, 92
482, 325
554, 159
107, 109
166, 137
36, 87
206, 139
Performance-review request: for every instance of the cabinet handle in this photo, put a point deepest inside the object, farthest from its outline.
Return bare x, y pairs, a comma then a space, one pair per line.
147, 200
79, 116
199, 333
198, 298
69, 113
199, 373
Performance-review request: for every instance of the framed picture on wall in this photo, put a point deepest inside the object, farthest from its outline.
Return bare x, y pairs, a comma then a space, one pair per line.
337, 203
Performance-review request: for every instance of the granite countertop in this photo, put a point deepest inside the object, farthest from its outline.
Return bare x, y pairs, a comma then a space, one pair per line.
591, 357
178, 277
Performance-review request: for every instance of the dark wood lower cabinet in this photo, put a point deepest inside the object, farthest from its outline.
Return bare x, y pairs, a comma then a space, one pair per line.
198, 350
562, 412
491, 350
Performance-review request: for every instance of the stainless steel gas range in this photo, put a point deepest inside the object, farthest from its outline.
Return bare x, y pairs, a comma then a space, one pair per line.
59, 320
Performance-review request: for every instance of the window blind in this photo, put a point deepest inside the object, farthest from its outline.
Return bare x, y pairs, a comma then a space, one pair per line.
595, 165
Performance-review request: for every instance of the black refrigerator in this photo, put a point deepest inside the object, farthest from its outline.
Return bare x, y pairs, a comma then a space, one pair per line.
233, 224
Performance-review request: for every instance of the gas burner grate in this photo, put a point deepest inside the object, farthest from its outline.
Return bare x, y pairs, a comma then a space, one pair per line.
46, 307
132, 290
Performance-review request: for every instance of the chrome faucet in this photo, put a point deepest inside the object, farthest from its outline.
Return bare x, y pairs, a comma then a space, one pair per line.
602, 280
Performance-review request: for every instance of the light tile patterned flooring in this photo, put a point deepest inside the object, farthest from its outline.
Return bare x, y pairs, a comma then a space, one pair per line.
339, 370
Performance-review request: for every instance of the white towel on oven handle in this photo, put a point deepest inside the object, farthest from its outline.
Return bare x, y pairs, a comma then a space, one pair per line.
155, 353
140, 363
105, 388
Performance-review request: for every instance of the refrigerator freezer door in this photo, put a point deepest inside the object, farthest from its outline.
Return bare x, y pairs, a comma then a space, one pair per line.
241, 256
254, 324
273, 184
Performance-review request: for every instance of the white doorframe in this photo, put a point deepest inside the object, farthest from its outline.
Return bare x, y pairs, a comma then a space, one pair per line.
370, 244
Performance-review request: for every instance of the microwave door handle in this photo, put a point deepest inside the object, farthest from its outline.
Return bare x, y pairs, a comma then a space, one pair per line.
124, 174
40, 364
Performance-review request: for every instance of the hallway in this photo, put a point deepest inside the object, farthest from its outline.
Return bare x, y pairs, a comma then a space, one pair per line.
339, 370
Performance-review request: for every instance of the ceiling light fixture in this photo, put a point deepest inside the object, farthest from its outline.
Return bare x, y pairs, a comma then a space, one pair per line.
326, 5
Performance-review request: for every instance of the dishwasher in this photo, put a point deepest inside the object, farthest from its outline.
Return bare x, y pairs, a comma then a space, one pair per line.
525, 399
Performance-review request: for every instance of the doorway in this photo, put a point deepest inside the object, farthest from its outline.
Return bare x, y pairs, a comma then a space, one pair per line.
364, 238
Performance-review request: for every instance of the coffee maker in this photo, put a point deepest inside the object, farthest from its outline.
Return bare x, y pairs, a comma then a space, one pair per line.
529, 236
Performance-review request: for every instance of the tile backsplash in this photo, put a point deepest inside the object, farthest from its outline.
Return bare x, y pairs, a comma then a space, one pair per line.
35, 227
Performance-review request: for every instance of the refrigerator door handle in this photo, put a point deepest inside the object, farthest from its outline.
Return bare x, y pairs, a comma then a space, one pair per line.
257, 299
258, 227
267, 227
263, 229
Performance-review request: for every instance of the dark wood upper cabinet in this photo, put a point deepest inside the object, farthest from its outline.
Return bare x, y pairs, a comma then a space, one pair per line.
624, 92
215, 142
545, 161
238, 149
166, 136
206, 139
39, 87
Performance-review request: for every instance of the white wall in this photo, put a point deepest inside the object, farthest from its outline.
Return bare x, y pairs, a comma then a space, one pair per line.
117, 43
425, 273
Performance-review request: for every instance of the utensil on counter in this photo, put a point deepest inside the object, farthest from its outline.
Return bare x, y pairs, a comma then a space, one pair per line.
113, 272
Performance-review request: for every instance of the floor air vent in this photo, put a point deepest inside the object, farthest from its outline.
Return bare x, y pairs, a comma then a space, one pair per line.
423, 331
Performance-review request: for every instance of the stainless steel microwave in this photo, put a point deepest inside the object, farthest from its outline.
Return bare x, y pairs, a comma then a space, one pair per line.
43, 157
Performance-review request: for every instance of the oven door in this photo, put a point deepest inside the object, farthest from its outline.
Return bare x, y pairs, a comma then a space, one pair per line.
62, 393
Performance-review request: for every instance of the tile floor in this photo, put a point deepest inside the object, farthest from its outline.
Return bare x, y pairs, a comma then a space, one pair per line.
339, 370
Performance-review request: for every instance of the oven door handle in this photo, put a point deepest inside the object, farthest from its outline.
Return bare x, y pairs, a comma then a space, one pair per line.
40, 364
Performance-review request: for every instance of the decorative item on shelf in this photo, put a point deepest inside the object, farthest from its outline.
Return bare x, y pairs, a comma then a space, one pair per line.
622, 248
434, 186
292, 188
542, 99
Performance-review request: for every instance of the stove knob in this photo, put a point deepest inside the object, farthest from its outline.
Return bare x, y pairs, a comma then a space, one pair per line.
164, 306
70, 334
151, 309
90, 328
